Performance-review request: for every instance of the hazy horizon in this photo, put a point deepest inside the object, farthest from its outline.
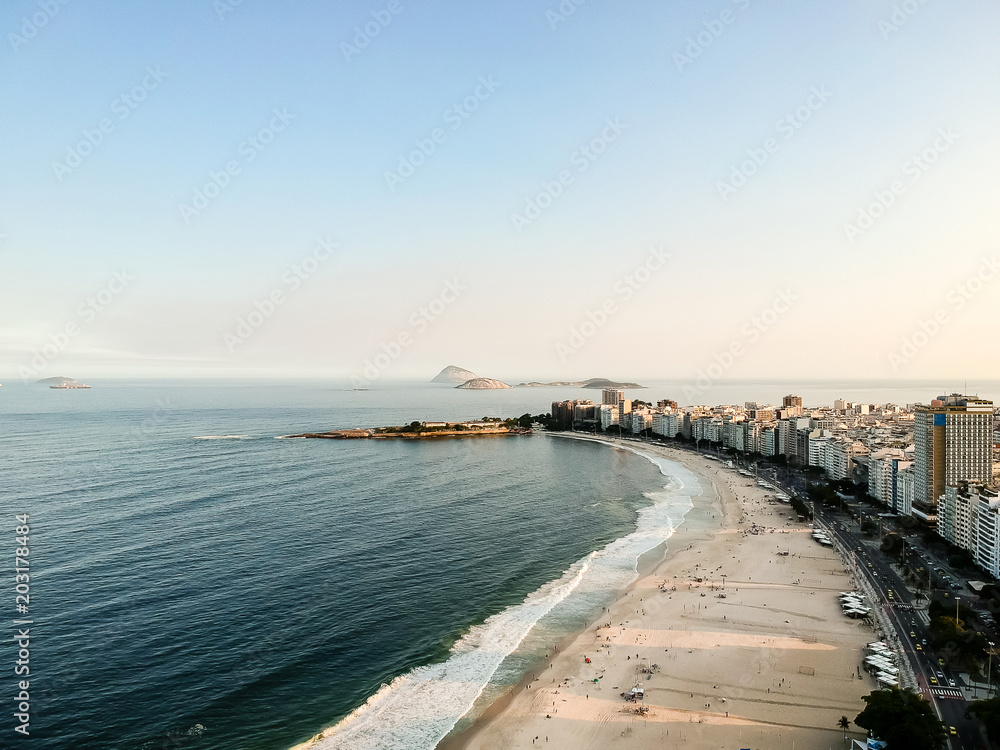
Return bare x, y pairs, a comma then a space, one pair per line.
548, 192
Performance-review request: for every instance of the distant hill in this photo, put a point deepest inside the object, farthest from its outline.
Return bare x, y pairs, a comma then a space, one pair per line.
483, 384
605, 383
592, 383
453, 374
60, 380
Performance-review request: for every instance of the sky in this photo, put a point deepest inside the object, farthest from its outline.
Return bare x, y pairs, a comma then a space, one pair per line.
731, 189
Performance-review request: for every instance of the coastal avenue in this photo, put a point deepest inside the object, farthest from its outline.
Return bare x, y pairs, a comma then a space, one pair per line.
947, 697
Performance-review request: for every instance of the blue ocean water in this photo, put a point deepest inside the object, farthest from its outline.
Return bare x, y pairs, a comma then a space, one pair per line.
197, 583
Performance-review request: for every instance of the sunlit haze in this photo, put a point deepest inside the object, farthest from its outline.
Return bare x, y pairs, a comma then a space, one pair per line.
527, 190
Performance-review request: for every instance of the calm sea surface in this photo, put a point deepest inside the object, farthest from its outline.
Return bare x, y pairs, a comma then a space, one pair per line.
197, 583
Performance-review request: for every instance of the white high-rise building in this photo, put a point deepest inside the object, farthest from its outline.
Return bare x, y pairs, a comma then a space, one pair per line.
839, 458
642, 419
883, 469
904, 491
968, 518
666, 424
608, 415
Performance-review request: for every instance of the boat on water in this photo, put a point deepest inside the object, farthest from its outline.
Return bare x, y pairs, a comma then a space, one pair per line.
69, 387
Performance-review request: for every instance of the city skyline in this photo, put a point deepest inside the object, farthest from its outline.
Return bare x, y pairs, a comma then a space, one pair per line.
234, 190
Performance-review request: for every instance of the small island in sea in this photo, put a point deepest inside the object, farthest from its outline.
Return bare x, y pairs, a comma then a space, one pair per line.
453, 374
483, 384
591, 383
423, 430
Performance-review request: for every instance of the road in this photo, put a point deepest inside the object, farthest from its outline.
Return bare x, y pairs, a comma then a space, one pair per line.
910, 623
936, 681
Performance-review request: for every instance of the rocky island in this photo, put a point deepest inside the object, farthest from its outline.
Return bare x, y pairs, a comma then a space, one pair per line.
483, 384
453, 374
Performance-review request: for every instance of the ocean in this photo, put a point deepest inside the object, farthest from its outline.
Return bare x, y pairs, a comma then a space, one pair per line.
197, 583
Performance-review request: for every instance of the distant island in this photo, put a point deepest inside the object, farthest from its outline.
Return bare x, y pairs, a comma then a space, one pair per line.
468, 380
591, 383
422, 430
60, 380
483, 384
453, 374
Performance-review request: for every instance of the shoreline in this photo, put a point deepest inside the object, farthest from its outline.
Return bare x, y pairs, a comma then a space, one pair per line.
730, 650
618, 558
648, 564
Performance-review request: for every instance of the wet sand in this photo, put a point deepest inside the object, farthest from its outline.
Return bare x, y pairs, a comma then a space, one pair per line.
756, 652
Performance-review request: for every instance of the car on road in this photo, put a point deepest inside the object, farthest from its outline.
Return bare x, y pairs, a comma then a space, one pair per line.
951, 682
952, 731
933, 680
919, 647
941, 662
913, 634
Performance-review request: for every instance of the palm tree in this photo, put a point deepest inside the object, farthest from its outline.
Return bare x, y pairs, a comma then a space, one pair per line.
844, 724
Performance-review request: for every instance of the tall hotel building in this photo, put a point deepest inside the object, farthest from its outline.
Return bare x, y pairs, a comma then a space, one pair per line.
953, 441
612, 396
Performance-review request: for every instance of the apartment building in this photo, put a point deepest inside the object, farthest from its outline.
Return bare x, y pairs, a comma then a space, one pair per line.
953, 439
968, 518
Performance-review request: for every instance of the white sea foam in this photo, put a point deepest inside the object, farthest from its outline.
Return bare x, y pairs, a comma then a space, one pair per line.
418, 709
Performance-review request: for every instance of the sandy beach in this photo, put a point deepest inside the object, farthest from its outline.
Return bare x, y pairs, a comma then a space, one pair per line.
735, 634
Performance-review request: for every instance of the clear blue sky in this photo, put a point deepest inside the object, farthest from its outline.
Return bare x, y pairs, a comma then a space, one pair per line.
888, 89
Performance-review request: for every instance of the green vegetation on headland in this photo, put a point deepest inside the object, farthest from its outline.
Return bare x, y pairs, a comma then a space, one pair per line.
416, 430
